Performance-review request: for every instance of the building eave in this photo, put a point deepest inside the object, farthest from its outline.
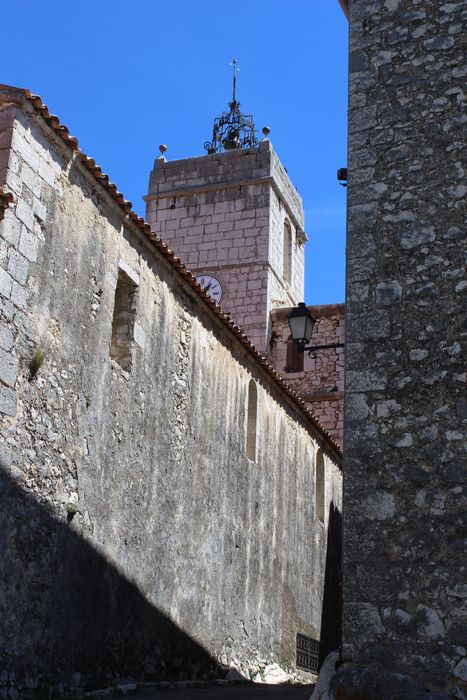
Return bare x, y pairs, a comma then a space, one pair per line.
345, 7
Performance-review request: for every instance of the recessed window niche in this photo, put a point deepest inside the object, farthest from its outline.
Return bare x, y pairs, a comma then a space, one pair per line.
319, 486
294, 358
252, 418
123, 320
287, 252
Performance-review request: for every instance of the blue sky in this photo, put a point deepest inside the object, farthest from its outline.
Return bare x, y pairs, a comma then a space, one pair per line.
127, 76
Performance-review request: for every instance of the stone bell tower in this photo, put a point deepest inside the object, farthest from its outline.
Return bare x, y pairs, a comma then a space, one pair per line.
235, 220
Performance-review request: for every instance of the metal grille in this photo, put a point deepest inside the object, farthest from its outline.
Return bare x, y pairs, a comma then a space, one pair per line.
233, 130
307, 653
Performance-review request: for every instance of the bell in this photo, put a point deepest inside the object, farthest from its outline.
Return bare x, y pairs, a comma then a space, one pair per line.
232, 141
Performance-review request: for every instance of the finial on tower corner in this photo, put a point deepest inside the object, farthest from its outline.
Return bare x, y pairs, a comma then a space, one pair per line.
162, 149
266, 131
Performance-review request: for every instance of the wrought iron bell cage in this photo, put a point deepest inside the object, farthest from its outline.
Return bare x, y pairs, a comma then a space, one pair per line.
232, 130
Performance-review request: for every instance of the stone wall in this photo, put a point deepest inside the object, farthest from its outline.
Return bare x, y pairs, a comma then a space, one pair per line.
137, 538
405, 404
224, 214
320, 378
285, 205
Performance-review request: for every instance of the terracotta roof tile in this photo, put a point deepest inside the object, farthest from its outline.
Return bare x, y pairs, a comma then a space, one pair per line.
176, 263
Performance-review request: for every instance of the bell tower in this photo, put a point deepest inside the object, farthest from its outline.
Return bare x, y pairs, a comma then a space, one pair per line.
235, 220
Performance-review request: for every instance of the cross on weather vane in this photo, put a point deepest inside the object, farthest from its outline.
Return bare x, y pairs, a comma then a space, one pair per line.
233, 130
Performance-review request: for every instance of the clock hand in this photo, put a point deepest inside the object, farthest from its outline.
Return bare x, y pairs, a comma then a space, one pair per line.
206, 289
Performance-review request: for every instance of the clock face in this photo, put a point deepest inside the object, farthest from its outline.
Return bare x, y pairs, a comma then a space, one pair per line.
211, 285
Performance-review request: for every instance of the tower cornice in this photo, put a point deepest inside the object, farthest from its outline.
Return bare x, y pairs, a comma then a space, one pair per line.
268, 180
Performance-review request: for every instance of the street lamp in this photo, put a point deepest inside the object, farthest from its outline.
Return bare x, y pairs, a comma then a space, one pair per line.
301, 324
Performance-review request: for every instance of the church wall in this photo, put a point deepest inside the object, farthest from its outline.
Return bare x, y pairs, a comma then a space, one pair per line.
286, 205
137, 537
281, 291
405, 403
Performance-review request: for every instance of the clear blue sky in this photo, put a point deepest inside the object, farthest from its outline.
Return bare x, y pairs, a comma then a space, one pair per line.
127, 76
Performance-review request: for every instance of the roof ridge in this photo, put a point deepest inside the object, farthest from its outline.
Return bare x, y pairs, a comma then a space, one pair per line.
63, 132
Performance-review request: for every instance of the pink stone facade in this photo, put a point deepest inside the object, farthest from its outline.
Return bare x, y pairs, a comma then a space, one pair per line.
224, 214
321, 380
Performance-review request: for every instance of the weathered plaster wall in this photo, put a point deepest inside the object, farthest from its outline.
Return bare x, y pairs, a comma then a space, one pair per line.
321, 382
134, 530
224, 214
405, 412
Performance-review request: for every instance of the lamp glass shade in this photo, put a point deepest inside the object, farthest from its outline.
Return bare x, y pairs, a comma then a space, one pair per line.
301, 324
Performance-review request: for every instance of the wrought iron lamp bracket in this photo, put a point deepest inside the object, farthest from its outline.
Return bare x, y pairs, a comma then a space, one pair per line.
312, 348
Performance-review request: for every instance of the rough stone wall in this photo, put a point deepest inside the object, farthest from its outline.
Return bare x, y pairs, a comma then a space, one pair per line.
321, 382
405, 403
137, 538
224, 214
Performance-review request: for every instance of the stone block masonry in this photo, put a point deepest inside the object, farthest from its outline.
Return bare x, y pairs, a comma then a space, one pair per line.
319, 378
405, 415
137, 537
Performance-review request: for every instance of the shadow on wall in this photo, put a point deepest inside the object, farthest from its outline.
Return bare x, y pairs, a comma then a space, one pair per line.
331, 619
65, 610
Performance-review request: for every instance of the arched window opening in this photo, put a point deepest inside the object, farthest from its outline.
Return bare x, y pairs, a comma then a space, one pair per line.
287, 252
319, 492
294, 358
252, 419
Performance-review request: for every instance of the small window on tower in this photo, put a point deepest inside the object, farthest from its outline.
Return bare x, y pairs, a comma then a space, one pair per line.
252, 418
123, 320
294, 358
287, 252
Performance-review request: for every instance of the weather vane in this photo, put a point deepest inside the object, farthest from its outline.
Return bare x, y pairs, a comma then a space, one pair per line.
235, 67
233, 130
